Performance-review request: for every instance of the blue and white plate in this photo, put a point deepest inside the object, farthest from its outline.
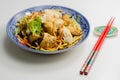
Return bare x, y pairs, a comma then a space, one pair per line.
11, 26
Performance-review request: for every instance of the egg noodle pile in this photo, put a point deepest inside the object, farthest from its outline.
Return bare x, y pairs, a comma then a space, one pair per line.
48, 30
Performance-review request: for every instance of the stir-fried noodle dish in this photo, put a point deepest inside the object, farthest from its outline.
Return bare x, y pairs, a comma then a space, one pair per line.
48, 30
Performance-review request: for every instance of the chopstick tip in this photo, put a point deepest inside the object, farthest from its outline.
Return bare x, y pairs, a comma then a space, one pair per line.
81, 72
85, 73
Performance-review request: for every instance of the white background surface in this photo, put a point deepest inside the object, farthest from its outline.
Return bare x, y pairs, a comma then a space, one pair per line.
17, 64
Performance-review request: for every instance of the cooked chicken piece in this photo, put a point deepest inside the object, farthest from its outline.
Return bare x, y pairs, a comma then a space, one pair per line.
49, 42
67, 36
48, 27
50, 15
58, 22
33, 37
46, 18
53, 13
52, 26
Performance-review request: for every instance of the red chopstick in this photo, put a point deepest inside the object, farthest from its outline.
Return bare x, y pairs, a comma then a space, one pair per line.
90, 59
97, 49
103, 33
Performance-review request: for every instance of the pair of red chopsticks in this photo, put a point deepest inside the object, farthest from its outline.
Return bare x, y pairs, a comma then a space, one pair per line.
92, 56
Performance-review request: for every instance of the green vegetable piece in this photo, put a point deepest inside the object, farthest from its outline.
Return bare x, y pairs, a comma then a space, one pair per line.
78, 18
38, 20
35, 26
